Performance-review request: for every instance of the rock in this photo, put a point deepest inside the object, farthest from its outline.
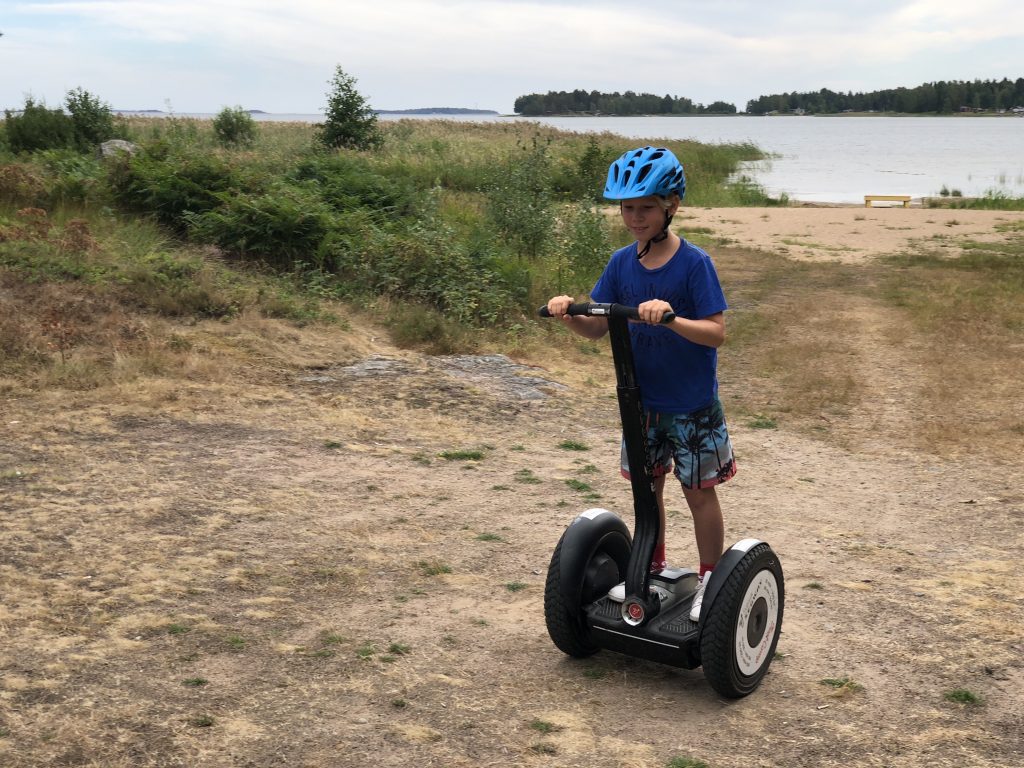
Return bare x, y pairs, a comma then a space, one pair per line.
115, 147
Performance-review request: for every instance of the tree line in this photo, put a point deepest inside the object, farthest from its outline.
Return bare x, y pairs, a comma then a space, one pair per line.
580, 102
940, 97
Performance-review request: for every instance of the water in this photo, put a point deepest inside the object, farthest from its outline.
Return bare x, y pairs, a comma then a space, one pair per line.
841, 159
830, 159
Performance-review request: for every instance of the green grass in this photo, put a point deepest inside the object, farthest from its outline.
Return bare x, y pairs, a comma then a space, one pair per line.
473, 454
527, 477
366, 651
842, 685
544, 749
489, 537
760, 421
578, 485
543, 726
686, 762
962, 696
573, 445
515, 586
433, 567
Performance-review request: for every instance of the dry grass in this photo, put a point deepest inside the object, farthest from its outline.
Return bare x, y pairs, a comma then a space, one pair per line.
203, 511
826, 339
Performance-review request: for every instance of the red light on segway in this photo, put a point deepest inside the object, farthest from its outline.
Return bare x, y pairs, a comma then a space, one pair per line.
636, 612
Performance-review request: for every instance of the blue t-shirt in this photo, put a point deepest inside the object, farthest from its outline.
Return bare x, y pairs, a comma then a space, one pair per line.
674, 374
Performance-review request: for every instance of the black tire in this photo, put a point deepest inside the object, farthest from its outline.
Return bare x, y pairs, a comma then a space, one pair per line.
566, 623
743, 624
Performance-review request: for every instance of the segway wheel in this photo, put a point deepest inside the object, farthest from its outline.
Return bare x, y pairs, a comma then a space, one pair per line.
743, 624
589, 560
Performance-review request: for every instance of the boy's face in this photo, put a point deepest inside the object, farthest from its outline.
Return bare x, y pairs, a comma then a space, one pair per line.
645, 216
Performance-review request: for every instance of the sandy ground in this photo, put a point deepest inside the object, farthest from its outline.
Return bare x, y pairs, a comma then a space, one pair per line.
848, 234
278, 566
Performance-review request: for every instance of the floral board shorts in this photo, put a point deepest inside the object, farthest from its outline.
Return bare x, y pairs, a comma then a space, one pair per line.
695, 444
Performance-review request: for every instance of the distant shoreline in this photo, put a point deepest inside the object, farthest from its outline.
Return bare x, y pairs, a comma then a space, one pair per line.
455, 111
437, 111
424, 111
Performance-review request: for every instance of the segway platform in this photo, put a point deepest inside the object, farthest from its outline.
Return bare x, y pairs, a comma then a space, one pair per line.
670, 638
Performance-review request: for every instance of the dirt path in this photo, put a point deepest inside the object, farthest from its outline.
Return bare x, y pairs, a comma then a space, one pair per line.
285, 571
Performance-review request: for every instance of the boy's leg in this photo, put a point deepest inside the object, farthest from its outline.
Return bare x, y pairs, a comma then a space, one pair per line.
658, 561
708, 523
660, 455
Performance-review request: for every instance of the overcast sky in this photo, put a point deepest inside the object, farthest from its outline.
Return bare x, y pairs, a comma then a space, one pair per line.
202, 55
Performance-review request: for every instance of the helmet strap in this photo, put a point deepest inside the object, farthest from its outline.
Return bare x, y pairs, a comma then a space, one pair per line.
657, 238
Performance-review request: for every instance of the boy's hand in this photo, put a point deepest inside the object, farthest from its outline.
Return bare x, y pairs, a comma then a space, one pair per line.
559, 305
653, 310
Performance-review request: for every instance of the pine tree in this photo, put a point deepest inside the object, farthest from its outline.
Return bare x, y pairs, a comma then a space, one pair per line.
351, 123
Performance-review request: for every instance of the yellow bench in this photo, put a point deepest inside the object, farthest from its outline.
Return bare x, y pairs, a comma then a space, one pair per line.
869, 199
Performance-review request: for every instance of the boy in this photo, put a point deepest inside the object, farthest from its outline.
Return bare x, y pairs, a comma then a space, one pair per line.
676, 363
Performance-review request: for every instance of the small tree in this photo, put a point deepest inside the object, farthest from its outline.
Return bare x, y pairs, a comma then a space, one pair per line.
234, 127
92, 119
519, 200
351, 123
38, 128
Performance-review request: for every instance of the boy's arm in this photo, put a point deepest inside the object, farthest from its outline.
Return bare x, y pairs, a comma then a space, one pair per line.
708, 331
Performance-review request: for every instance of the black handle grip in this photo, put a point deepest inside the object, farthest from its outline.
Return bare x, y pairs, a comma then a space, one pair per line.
590, 309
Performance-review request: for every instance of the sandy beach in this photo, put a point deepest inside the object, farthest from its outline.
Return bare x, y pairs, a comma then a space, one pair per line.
848, 233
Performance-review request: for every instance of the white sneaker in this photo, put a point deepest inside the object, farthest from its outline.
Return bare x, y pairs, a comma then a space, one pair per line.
618, 592
698, 597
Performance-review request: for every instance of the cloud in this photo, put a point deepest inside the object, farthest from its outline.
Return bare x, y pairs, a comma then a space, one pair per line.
280, 55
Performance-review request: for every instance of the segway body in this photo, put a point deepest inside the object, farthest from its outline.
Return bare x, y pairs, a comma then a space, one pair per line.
741, 614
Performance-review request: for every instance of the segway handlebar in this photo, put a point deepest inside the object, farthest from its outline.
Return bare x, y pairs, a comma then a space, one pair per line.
591, 309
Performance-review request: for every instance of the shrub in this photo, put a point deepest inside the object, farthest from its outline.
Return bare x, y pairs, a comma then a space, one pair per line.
91, 119
347, 182
519, 199
169, 185
38, 128
351, 123
422, 263
73, 177
586, 245
234, 127
281, 227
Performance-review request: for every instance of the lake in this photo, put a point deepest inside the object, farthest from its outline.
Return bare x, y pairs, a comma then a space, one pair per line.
831, 159
841, 159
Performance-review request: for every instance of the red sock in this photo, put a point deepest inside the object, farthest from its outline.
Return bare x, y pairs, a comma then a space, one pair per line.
705, 568
659, 554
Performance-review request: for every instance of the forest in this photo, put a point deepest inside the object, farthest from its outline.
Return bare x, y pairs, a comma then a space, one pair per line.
940, 97
581, 102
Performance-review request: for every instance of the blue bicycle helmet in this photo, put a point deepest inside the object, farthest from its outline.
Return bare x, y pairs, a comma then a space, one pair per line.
645, 171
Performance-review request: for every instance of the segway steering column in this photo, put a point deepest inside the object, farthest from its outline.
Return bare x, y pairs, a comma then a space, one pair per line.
640, 604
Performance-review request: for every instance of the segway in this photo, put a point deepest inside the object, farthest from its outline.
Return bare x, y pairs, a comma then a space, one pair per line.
741, 615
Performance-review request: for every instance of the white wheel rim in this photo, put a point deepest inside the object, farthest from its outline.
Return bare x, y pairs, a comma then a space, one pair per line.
760, 604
